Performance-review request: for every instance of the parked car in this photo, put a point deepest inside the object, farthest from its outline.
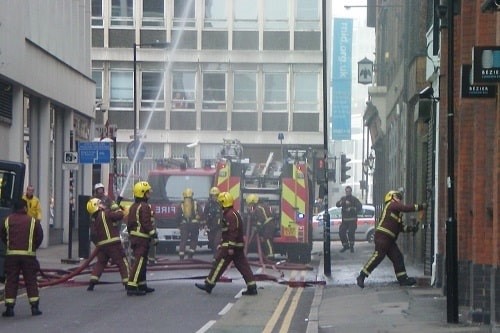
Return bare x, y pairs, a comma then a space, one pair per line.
364, 232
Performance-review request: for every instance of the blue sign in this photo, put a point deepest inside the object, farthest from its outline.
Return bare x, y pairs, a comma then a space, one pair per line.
132, 151
341, 79
94, 152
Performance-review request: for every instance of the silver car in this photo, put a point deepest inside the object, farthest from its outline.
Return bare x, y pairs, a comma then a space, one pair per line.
364, 232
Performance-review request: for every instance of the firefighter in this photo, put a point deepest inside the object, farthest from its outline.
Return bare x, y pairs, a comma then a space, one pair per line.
262, 219
34, 207
105, 234
141, 229
230, 249
22, 235
100, 193
350, 207
212, 213
386, 234
189, 215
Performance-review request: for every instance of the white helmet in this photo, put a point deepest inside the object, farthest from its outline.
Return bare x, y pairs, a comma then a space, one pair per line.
98, 185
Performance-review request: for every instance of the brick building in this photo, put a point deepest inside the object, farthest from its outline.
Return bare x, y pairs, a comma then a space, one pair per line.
408, 116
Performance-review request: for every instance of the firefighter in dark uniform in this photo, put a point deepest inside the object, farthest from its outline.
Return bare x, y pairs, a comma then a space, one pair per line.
230, 249
262, 219
350, 208
212, 213
386, 234
22, 235
189, 215
141, 229
105, 234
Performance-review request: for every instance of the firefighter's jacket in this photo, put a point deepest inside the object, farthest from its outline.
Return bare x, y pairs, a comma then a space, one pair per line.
34, 207
350, 208
391, 220
21, 233
141, 220
260, 215
212, 213
105, 227
232, 229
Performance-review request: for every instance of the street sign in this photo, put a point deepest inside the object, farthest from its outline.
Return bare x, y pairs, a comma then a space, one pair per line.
94, 152
131, 148
71, 157
365, 71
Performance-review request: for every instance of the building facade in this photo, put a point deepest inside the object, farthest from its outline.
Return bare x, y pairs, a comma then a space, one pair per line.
245, 70
424, 89
46, 99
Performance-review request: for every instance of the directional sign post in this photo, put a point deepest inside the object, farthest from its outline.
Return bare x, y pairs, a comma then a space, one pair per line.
94, 152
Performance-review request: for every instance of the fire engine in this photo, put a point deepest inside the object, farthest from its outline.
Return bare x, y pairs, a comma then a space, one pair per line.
168, 182
287, 186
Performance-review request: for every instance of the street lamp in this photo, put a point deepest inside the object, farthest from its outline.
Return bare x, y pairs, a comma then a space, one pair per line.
281, 137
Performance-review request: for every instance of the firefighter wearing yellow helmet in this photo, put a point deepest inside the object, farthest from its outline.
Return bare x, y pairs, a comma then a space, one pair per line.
105, 234
142, 232
189, 216
230, 249
386, 233
263, 222
212, 213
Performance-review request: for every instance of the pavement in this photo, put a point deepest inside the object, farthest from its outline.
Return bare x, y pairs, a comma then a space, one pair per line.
340, 305
382, 306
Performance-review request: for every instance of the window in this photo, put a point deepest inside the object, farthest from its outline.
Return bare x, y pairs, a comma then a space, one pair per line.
96, 13
97, 77
245, 14
152, 90
214, 91
215, 14
275, 95
245, 92
306, 92
121, 94
153, 13
184, 13
276, 14
183, 88
307, 15
122, 12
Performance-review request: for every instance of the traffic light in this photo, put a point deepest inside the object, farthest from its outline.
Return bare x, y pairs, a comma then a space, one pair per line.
319, 170
344, 168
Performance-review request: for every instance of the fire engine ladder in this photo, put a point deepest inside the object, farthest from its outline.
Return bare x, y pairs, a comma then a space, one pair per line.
268, 162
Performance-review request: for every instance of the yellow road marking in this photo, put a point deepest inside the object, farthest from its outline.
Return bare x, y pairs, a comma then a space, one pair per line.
279, 309
291, 311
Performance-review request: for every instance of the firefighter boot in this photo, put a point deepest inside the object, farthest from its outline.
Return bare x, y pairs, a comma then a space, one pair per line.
135, 291
9, 310
91, 285
406, 281
345, 247
351, 247
146, 288
34, 309
205, 286
360, 280
251, 291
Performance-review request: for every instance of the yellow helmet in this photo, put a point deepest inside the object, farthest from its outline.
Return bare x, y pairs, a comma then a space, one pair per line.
140, 188
252, 199
225, 199
187, 193
214, 191
93, 205
388, 197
